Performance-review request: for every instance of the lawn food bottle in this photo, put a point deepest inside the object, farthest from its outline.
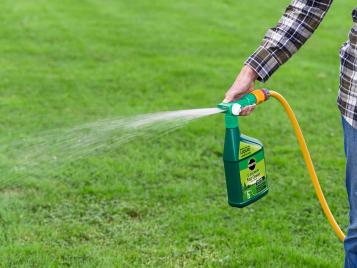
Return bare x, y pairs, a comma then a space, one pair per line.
244, 166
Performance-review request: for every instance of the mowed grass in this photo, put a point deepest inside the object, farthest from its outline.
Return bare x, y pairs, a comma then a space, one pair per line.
162, 203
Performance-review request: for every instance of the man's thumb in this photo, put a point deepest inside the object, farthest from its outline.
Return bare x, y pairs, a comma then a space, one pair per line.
228, 98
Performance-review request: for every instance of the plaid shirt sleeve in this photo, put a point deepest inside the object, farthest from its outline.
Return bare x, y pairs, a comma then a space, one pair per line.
301, 19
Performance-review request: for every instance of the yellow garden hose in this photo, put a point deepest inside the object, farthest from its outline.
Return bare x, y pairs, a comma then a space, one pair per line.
309, 163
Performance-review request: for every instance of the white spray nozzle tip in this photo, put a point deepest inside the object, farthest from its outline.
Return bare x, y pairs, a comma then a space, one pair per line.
236, 109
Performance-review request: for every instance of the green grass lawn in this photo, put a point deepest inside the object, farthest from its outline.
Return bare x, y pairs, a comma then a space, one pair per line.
163, 203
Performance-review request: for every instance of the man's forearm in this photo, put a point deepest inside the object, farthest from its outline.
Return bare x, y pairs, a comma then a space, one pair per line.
301, 19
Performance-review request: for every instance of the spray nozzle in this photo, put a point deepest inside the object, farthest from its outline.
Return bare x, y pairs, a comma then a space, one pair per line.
255, 97
233, 109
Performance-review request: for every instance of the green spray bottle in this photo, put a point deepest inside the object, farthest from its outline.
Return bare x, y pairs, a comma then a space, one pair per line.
243, 156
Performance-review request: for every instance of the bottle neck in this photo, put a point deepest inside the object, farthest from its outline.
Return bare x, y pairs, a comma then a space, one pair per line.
231, 121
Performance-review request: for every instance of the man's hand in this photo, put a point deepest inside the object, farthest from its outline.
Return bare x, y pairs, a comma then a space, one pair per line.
243, 84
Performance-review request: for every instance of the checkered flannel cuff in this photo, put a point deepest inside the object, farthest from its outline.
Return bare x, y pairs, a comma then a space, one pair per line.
263, 63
